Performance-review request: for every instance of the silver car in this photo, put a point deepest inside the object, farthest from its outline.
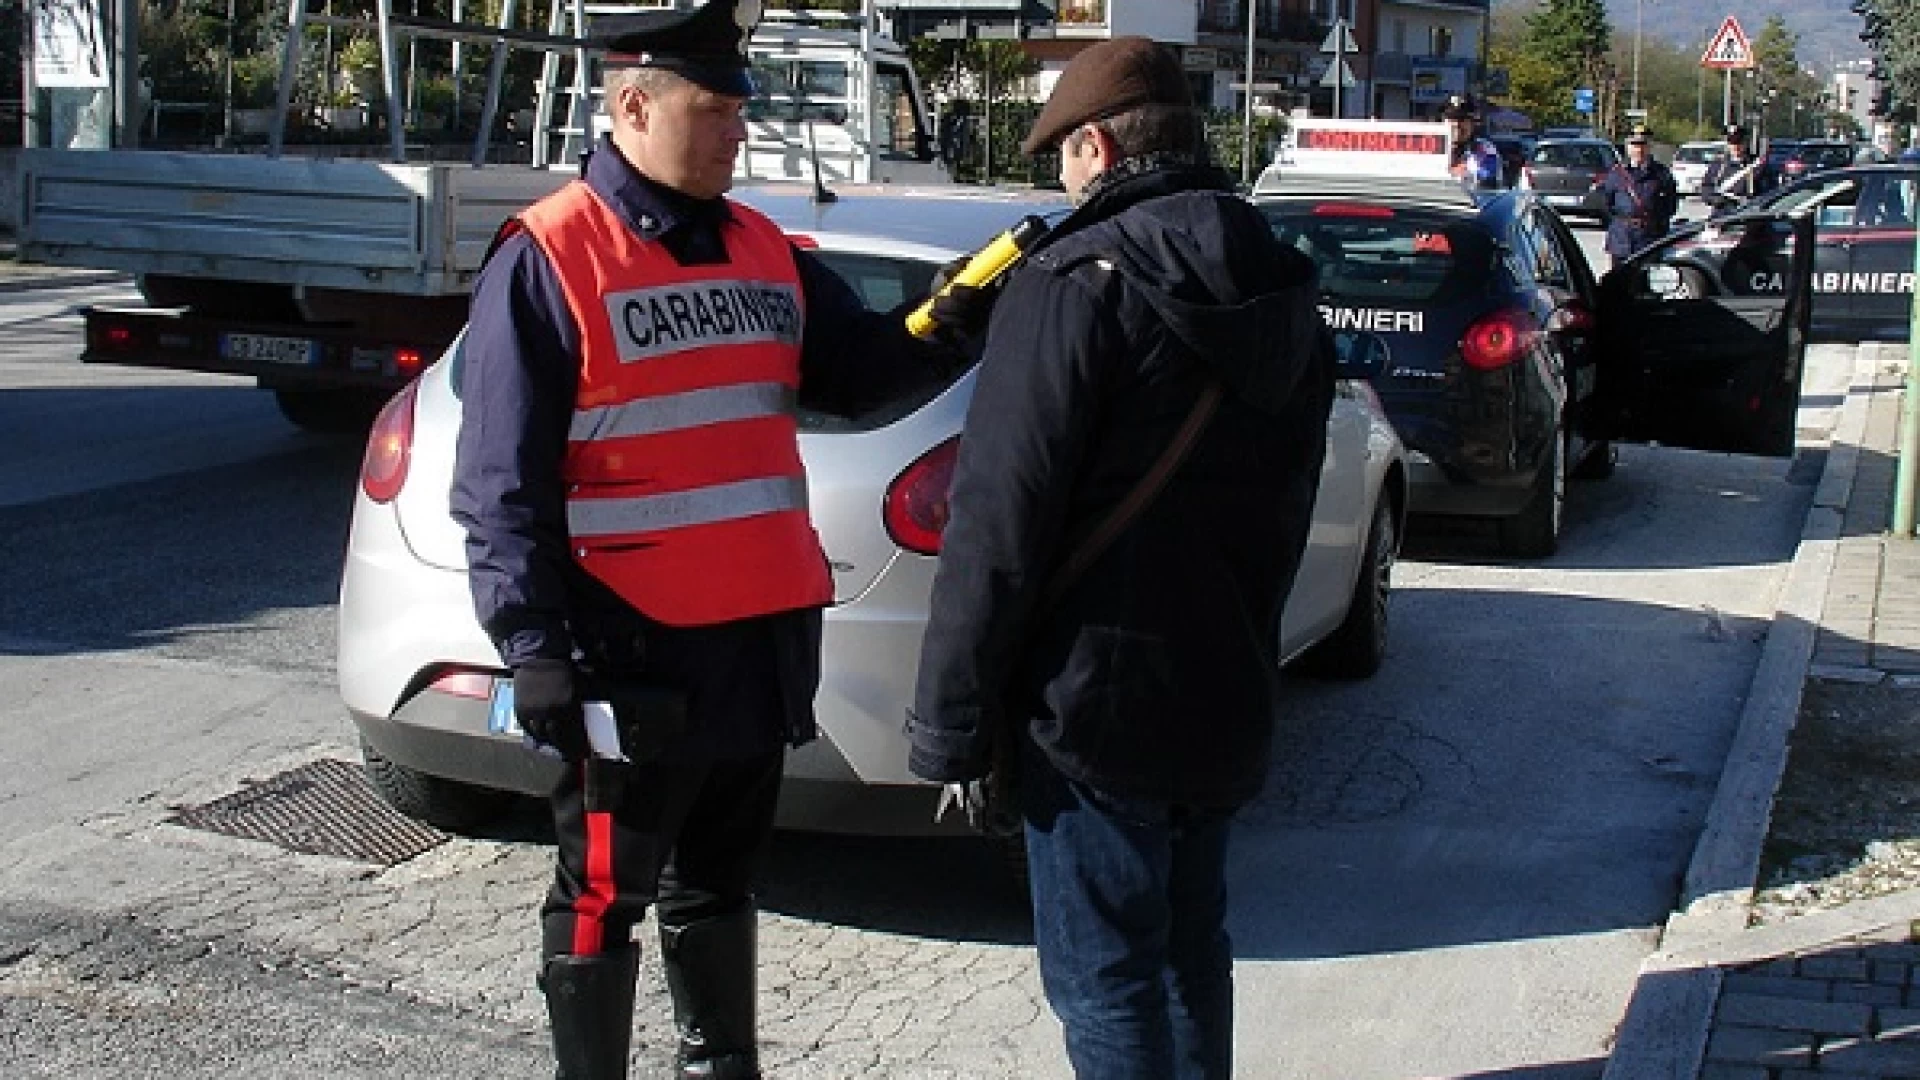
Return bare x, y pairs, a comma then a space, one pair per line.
433, 704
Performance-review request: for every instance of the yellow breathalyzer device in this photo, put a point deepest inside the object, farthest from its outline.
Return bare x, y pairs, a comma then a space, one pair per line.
987, 263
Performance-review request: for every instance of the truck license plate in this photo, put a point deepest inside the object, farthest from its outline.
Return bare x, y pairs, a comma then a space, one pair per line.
262, 348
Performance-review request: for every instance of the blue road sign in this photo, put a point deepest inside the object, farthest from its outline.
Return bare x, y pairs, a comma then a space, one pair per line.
1583, 99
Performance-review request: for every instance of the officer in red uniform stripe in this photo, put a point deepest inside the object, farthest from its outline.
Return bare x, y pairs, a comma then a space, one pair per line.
629, 479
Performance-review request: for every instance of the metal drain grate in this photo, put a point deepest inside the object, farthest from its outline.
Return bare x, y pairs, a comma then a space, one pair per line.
324, 807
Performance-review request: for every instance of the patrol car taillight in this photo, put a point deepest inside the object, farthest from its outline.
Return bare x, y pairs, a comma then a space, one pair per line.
383, 472
916, 505
1497, 339
1346, 209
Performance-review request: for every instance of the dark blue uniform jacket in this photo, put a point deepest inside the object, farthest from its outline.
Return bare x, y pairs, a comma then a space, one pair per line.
752, 681
1154, 675
1640, 205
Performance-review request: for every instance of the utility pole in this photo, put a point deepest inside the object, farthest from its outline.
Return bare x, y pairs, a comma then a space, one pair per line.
1637, 4
1246, 125
126, 73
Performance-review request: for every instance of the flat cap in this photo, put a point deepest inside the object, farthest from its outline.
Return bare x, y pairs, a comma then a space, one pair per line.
1736, 133
706, 45
1638, 135
1105, 80
1459, 107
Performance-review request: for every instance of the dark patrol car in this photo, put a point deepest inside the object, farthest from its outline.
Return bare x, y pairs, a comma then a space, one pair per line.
1862, 257
1509, 367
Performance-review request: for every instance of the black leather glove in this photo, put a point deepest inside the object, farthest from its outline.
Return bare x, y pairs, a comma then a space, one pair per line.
547, 705
961, 310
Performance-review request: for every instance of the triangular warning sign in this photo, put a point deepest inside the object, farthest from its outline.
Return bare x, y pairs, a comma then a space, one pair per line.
1729, 48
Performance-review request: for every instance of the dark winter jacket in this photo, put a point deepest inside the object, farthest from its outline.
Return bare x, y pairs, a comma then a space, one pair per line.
1154, 674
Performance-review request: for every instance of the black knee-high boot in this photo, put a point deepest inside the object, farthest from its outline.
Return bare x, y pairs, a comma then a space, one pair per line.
590, 1006
710, 973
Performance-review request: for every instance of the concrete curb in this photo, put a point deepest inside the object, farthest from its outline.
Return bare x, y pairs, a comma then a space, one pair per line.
1664, 1033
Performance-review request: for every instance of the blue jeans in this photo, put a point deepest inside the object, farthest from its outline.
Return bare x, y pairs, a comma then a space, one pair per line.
1129, 913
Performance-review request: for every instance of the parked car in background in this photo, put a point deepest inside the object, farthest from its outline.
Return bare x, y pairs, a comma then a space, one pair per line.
1862, 257
1566, 174
434, 707
1690, 162
1569, 133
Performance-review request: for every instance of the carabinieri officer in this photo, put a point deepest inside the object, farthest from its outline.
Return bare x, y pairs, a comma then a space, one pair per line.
629, 478
1641, 199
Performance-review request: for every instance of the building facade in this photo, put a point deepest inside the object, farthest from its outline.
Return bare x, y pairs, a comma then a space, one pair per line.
1408, 55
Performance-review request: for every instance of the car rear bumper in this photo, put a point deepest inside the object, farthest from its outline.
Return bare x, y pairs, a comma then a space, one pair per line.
1432, 489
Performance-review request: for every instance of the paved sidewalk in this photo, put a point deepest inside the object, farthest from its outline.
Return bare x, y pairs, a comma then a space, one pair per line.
1834, 993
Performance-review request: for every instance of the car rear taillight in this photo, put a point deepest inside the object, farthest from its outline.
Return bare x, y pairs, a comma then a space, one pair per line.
1497, 339
916, 505
383, 472
1526, 177
463, 682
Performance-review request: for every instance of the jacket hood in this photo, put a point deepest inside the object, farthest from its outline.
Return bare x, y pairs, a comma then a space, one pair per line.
1207, 262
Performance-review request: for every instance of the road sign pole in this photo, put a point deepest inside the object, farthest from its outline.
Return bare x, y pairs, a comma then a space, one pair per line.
1907, 469
1726, 100
1339, 66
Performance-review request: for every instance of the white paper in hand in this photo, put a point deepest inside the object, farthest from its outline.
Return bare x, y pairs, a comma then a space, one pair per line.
603, 736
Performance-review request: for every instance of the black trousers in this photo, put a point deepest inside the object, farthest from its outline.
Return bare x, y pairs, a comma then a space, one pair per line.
686, 830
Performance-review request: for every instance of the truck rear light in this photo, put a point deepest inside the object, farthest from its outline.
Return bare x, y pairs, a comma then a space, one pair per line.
463, 682
916, 505
407, 361
383, 472
1497, 339
114, 338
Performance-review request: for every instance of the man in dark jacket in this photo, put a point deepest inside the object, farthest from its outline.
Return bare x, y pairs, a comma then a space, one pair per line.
629, 479
1641, 198
1138, 698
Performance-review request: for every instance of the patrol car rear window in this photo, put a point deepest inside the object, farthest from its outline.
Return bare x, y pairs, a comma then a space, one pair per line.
1375, 254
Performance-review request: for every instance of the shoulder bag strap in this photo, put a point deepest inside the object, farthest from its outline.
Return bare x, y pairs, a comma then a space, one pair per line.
1137, 500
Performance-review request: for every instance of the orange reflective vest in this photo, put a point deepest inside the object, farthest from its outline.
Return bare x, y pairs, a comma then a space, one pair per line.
685, 491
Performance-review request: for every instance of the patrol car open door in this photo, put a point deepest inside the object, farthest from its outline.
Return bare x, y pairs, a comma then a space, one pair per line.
1685, 366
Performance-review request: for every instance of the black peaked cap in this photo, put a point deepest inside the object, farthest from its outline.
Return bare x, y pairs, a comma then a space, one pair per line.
706, 45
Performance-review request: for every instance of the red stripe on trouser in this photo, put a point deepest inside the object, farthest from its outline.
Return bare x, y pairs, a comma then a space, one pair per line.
589, 928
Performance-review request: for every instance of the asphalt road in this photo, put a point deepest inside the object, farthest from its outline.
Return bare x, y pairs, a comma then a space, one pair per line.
1456, 869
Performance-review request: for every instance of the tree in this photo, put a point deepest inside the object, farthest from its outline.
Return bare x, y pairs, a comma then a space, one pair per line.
952, 68
1560, 45
1893, 32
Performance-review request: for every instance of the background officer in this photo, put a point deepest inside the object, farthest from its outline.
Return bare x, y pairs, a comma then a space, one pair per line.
1475, 160
1640, 200
637, 335
1736, 177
